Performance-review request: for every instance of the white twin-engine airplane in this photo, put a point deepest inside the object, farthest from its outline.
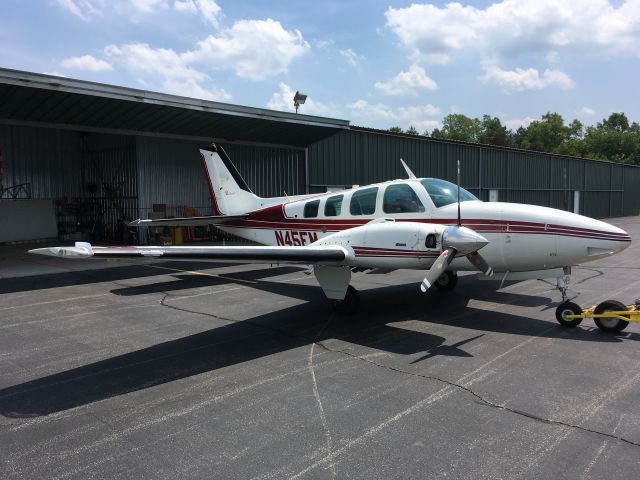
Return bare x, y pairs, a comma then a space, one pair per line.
418, 223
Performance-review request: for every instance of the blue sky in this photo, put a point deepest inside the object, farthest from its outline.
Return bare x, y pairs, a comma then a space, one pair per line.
376, 63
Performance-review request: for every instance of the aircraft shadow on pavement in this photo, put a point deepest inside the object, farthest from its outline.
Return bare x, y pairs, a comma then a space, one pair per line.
374, 327
101, 275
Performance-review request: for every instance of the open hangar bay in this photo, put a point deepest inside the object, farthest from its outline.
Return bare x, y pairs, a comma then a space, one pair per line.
187, 370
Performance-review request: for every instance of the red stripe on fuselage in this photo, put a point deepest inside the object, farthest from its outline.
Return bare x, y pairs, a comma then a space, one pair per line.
274, 218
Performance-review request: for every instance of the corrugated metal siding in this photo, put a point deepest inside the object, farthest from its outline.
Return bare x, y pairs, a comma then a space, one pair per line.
359, 157
269, 172
47, 159
109, 163
170, 171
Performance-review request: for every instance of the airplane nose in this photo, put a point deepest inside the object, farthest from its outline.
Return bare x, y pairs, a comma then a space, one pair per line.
600, 238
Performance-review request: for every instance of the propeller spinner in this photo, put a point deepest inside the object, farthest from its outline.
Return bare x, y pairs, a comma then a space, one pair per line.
457, 241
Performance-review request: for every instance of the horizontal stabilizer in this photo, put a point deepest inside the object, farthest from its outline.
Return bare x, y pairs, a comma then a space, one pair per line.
185, 221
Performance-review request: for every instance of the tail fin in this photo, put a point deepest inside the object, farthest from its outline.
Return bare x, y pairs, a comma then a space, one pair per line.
230, 194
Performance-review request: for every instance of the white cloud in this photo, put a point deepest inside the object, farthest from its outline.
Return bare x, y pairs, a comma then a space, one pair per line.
169, 67
140, 57
84, 9
586, 112
522, 79
255, 49
516, 123
148, 6
323, 44
191, 88
88, 63
512, 27
415, 115
185, 6
351, 57
408, 83
209, 9
283, 100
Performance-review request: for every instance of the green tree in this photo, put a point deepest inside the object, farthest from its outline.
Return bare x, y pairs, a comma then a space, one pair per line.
457, 126
616, 121
547, 134
395, 130
412, 130
492, 132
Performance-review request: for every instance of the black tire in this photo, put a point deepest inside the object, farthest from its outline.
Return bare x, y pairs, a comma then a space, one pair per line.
568, 308
350, 304
447, 281
610, 325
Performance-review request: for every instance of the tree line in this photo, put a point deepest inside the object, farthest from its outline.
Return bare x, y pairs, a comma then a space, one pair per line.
614, 138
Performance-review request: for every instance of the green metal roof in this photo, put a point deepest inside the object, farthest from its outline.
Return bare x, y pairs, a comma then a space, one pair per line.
44, 100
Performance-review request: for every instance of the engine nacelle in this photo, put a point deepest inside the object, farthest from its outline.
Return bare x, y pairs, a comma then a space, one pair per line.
390, 244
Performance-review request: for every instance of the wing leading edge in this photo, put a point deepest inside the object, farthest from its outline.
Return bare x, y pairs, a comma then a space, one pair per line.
329, 255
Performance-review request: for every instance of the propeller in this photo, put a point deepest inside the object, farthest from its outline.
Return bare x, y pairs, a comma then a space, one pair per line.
457, 241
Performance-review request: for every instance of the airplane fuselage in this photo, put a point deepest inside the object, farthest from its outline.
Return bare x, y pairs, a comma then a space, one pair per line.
521, 237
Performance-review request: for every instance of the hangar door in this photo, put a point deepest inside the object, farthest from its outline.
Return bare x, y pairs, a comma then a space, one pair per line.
95, 183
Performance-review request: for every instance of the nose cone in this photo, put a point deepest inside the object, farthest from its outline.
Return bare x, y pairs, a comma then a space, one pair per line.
585, 239
463, 239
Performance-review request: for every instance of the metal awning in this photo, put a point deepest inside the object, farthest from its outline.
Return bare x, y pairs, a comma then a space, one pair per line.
56, 102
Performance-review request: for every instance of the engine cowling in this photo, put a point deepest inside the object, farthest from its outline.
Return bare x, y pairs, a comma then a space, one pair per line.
382, 242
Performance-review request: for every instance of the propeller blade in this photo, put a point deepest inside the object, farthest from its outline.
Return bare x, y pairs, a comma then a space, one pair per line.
438, 268
480, 263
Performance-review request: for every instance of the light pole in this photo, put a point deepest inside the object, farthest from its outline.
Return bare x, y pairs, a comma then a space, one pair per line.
299, 99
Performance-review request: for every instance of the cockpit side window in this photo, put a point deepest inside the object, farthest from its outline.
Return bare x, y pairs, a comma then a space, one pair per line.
401, 198
445, 193
311, 209
363, 202
333, 206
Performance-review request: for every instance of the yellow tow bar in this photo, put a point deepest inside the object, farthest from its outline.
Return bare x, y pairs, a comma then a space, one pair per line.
610, 316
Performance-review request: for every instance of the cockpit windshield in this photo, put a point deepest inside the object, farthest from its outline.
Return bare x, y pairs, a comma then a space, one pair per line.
444, 193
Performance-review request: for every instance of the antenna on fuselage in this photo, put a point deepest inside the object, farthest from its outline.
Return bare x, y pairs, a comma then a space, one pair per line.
410, 174
459, 217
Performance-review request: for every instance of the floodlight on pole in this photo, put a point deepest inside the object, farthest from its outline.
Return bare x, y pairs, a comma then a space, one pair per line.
299, 99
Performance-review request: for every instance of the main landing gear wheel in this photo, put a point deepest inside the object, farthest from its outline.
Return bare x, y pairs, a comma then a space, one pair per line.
568, 308
350, 304
610, 325
447, 281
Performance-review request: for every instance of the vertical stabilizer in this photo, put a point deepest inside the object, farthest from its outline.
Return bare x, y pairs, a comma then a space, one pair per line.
230, 194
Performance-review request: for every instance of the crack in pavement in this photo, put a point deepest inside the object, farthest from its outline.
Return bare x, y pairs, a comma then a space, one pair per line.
484, 401
481, 399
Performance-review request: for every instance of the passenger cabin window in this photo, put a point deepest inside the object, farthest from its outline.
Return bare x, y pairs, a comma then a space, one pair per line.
445, 193
311, 209
363, 202
401, 198
333, 207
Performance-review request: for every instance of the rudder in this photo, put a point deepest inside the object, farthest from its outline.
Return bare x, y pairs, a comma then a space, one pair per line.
230, 194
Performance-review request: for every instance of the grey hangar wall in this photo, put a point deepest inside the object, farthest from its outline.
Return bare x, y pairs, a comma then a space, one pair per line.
362, 156
117, 177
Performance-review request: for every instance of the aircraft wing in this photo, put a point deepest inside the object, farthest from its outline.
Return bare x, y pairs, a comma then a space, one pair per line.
325, 255
184, 221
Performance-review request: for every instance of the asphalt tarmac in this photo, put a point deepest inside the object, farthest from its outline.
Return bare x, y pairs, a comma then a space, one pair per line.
172, 370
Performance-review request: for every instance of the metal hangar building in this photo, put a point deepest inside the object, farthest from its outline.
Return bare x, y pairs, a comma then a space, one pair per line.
79, 159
